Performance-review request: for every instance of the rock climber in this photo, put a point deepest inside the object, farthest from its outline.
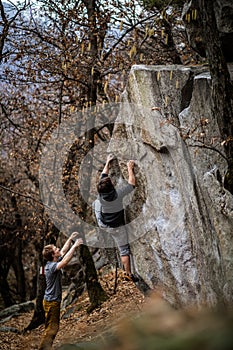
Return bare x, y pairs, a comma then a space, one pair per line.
111, 214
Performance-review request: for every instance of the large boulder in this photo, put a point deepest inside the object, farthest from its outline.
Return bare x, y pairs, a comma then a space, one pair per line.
180, 216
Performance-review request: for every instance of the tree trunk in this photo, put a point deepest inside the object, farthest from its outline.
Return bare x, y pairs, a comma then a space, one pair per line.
39, 315
170, 42
96, 293
17, 262
19, 271
221, 83
5, 289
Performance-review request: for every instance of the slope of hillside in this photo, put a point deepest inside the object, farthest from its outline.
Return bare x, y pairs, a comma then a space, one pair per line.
76, 325
129, 321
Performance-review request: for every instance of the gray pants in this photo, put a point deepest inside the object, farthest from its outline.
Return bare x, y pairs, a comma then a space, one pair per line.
112, 236
120, 237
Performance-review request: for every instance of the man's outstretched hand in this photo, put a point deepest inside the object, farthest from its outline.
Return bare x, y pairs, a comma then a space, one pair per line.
74, 235
74, 238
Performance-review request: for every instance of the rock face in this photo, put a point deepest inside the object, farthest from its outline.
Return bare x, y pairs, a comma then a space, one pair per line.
180, 216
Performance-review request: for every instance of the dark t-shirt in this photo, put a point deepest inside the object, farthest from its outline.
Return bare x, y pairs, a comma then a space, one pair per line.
112, 210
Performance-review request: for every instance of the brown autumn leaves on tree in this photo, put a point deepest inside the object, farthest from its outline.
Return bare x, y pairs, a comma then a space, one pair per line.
56, 60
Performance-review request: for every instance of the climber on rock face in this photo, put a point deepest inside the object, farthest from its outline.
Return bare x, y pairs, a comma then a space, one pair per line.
112, 214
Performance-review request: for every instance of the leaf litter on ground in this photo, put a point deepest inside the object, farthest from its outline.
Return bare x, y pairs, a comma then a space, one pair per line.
79, 326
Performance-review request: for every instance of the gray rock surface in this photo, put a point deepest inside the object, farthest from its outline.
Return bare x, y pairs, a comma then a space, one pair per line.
17, 309
180, 216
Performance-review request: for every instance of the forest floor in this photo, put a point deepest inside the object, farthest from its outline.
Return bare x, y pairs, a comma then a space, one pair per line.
80, 326
128, 320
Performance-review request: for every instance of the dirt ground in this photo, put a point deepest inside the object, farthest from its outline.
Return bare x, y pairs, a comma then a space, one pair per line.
79, 326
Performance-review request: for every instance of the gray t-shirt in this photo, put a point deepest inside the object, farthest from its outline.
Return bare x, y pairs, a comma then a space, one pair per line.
53, 277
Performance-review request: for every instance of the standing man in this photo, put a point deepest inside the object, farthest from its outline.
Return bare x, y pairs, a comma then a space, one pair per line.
112, 213
56, 260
